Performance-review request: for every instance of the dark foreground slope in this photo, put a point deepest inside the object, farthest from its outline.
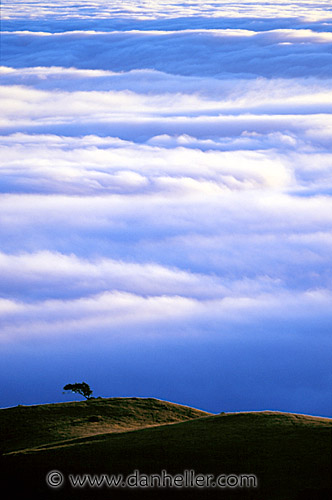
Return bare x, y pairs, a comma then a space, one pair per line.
31, 426
289, 454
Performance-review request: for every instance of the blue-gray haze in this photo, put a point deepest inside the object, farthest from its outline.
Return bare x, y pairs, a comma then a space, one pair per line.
166, 202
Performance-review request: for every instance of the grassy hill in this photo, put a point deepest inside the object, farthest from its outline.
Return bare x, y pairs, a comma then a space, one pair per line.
290, 454
29, 426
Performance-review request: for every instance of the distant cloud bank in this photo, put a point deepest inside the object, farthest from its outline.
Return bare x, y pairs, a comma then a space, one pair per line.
166, 173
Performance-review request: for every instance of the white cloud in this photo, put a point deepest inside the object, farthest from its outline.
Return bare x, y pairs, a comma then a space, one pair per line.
51, 273
210, 52
309, 9
111, 312
166, 180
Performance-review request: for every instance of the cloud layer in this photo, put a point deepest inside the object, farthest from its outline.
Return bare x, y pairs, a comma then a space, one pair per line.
147, 9
166, 182
214, 52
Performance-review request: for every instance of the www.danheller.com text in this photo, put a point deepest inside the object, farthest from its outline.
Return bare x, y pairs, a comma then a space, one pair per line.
187, 479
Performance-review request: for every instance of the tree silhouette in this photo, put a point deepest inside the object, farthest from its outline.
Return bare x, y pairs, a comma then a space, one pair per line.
80, 388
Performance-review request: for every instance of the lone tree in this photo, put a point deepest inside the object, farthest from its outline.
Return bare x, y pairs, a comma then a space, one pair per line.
80, 388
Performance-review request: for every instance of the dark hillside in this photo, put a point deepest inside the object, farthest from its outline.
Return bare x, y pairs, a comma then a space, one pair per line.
30, 426
290, 455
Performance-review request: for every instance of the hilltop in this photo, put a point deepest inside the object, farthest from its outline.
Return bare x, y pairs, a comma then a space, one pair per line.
30, 426
290, 454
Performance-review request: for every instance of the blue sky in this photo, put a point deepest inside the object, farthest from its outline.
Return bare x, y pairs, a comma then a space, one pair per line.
166, 209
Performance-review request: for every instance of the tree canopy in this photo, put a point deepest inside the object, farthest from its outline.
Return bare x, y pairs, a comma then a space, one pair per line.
80, 388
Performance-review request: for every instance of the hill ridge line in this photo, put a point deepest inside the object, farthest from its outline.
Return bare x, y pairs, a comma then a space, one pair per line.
100, 437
